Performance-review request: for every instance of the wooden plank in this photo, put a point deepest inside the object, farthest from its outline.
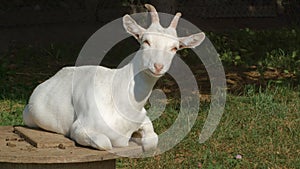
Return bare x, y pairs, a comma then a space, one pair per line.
43, 139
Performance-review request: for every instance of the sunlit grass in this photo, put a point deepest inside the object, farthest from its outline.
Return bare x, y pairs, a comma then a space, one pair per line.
263, 127
11, 112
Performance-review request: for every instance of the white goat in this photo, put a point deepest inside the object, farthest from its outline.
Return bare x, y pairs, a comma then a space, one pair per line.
101, 107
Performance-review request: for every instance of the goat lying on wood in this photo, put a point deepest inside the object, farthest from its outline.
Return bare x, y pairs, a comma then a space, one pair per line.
87, 109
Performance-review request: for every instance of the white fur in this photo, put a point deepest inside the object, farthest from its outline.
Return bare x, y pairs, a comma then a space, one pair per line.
101, 107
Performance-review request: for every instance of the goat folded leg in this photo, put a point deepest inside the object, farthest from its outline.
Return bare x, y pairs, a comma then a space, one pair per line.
146, 136
88, 137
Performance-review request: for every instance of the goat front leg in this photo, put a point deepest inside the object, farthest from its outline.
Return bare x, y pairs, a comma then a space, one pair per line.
88, 137
146, 136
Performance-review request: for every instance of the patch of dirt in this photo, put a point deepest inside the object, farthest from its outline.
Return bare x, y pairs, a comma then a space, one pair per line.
239, 78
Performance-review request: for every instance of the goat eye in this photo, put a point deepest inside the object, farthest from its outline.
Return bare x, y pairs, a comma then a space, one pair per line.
174, 49
146, 42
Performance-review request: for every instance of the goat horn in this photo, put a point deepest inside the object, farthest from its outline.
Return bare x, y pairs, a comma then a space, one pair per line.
153, 13
175, 20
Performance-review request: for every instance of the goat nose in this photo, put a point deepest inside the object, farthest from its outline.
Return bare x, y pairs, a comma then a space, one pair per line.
158, 67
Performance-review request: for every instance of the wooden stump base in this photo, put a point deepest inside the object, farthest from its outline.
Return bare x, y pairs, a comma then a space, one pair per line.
26, 148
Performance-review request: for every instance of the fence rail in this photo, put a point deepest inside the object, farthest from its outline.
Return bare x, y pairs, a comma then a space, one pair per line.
35, 12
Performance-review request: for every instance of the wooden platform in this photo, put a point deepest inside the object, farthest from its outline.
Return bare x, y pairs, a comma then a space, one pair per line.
25, 148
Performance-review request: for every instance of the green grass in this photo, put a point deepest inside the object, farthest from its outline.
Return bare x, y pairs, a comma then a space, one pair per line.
11, 112
263, 127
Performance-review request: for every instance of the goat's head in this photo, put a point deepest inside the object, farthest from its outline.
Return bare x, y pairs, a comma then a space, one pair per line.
158, 44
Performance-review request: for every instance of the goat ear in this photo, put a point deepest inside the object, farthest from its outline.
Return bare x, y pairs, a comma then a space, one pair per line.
132, 27
191, 41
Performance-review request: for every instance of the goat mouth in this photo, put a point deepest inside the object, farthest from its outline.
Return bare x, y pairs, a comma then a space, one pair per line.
153, 74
